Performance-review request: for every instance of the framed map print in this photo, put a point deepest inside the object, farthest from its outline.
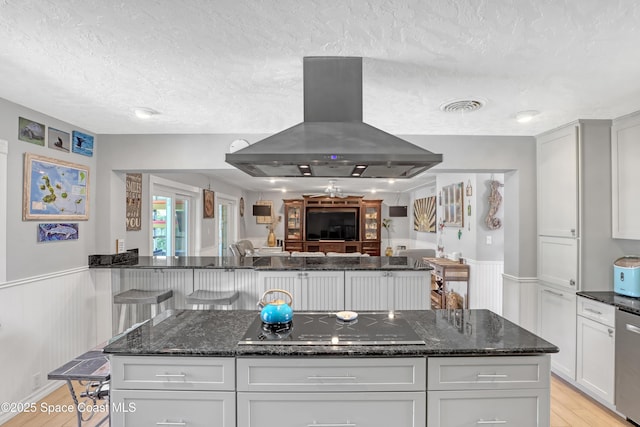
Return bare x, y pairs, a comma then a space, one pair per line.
54, 189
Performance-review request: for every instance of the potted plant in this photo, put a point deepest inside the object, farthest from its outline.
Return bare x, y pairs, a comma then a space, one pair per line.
387, 223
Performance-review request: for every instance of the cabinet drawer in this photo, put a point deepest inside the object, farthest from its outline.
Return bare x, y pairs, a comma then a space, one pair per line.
597, 311
478, 373
135, 408
393, 374
517, 408
406, 409
172, 373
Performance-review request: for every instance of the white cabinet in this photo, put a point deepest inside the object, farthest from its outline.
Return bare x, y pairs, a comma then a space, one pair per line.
558, 261
311, 290
596, 348
293, 392
387, 290
625, 152
178, 391
473, 391
557, 324
558, 182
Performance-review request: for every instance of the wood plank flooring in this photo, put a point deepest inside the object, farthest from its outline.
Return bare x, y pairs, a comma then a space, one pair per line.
569, 408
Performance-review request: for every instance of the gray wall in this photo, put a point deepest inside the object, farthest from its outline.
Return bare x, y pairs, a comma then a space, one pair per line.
26, 257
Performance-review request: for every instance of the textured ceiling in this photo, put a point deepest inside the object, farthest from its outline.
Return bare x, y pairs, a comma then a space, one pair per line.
231, 66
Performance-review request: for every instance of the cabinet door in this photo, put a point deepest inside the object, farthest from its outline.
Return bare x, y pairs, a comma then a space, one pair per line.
135, 408
557, 324
371, 221
367, 290
521, 408
289, 281
293, 218
596, 353
376, 409
323, 291
411, 289
625, 152
558, 261
558, 183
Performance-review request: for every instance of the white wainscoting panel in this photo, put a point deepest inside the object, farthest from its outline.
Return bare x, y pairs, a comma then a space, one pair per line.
520, 302
250, 289
45, 321
323, 290
485, 284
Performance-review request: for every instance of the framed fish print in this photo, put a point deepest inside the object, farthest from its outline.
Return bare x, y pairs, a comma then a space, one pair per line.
81, 143
54, 189
57, 232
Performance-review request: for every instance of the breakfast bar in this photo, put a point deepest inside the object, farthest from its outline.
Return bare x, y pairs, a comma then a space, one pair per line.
467, 367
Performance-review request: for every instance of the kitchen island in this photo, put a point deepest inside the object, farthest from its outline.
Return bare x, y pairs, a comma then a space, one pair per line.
187, 368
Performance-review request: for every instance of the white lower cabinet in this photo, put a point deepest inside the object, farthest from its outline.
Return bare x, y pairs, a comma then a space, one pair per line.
475, 391
387, 290
596, 348
135, 408
557, 324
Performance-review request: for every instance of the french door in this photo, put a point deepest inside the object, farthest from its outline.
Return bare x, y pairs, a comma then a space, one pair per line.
227, 224
172, 223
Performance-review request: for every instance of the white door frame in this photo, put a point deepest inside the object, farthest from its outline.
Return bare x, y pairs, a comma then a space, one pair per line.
4, 151
233, 237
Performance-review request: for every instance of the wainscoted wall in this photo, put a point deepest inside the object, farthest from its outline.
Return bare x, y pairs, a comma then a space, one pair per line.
44, 322
520, 303
485, 284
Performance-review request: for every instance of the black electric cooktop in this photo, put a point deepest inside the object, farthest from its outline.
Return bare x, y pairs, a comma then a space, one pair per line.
369, 328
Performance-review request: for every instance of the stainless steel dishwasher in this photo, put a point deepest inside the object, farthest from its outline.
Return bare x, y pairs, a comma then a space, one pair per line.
628, 364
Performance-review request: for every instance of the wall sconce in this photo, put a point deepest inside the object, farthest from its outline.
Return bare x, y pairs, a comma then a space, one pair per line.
469, 188
261, 210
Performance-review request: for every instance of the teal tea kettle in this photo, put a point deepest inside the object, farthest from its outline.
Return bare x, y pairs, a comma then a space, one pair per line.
277, 310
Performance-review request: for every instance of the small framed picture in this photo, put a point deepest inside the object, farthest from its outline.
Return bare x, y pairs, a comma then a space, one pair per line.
208, 206
57, 232
59, 140
30, 131
82, 143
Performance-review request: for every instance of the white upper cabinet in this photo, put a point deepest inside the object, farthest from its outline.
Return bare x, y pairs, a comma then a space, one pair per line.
625, 170
558, 156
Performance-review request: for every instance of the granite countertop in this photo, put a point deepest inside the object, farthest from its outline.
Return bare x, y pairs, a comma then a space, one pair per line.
624, 303
261, 262
216, 333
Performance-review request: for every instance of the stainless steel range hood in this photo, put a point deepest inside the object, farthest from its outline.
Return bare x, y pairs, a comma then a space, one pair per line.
333, 141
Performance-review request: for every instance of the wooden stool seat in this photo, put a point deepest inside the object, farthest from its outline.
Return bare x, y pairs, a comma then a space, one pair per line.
203, 297
135, 297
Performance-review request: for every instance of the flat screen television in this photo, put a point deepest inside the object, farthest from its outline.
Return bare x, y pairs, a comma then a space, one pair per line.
331, 225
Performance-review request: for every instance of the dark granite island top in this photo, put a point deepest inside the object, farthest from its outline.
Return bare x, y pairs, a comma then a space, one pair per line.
216, 333
261, 263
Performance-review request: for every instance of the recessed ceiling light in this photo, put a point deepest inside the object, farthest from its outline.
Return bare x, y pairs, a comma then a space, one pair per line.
392, 181
526, 116
144, 112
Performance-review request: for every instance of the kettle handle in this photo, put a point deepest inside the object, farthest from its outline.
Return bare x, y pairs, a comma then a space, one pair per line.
271, 291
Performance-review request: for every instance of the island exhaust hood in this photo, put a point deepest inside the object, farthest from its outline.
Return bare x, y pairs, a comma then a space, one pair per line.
332, 141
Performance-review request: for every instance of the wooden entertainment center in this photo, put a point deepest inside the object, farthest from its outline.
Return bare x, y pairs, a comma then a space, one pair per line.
367, 212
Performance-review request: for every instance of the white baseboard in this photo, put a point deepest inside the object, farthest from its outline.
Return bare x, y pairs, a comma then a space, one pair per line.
34, 397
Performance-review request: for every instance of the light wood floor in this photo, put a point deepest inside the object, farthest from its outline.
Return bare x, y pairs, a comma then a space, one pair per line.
569, 408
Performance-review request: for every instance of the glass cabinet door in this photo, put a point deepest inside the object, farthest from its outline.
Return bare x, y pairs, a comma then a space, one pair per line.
294, 227
371, 223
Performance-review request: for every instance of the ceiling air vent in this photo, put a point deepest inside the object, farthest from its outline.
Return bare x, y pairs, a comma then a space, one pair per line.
462, 106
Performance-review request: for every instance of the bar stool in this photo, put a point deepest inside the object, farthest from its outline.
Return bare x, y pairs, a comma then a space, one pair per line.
201, 298
136, 297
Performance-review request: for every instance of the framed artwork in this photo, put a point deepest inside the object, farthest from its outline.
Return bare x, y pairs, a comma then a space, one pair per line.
264, 219
54, 189
134, 201
59, 140
82, 143
207, 197
424, 214
30, 131
452, 205
57, 232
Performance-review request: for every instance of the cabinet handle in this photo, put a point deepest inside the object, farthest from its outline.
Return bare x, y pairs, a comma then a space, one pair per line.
347, 424
171, 375
573, 231
492, 376
320, 377
610, 332
572, 282
633, 329
591, 310
558, 294
491, 421
169, 423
